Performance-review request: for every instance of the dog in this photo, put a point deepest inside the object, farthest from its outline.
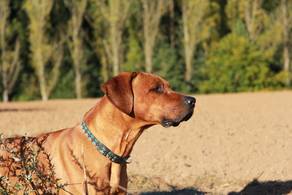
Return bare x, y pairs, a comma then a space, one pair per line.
97, 150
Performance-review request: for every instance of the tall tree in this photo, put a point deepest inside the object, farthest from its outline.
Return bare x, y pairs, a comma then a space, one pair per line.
251, 13
194, 30
43, 53
252, 9
100, 44
114, 14
77, 8
152, 12
9, 58
286, 24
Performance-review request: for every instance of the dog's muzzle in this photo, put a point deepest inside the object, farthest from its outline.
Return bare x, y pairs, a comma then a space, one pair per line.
190, 103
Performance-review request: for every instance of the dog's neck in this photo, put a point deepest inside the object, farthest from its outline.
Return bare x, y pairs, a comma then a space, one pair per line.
113, 128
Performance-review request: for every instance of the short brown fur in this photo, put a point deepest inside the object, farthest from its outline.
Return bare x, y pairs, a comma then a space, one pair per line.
133, 102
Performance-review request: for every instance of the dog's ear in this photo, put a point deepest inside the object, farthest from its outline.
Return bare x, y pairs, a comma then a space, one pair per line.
119, 91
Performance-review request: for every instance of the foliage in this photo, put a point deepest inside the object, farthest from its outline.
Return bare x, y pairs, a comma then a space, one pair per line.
237, 45
134, 55
235, 65
46, 55
75, 42
166, 65
197, 24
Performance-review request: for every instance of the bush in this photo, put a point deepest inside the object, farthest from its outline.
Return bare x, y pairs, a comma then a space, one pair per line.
25, 172
235, 64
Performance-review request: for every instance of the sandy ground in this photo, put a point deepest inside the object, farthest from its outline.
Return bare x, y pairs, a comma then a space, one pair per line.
233, 143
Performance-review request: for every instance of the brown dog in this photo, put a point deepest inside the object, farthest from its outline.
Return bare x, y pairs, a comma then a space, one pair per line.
132, 103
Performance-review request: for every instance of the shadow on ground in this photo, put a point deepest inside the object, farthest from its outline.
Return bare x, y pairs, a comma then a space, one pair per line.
185, 191
265, 188
158, 186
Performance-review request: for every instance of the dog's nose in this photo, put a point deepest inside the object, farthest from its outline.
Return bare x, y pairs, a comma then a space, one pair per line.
189, 100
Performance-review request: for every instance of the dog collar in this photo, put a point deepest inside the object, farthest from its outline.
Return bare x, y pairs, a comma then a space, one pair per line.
102, 148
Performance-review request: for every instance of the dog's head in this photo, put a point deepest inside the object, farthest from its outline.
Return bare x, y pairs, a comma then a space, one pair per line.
148, 97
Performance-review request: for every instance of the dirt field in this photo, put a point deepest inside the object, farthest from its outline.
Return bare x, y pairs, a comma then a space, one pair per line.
233, 143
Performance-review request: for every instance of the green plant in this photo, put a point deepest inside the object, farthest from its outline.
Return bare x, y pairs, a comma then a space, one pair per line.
235, 64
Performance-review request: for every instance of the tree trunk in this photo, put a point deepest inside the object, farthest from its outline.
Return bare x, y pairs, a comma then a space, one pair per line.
115, 49
152, 12
188, 50
43, 85
5, 95
285, 24
115, 62
194, 14
172, 25
39, 64
148, 56
287, 65
147, 34
77, 65
76, 45
78, 85
104, 69
188, 59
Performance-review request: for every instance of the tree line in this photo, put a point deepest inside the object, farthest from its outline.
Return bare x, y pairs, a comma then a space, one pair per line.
67, 48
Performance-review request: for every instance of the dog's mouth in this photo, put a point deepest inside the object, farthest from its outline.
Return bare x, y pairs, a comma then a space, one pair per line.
188, 116
170, 122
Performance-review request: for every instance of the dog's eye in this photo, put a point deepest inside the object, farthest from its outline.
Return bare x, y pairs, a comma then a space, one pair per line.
158, 89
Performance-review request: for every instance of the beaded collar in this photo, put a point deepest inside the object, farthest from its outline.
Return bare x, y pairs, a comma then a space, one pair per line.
102, 148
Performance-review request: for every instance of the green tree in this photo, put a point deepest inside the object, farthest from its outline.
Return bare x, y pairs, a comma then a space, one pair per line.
44, 53
251, 13
233, 65
78, 8
99, 44
196, 28
285, 19
9, 57
167, 64
152, 12
113, 15
134, 55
